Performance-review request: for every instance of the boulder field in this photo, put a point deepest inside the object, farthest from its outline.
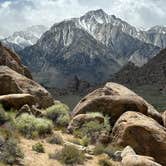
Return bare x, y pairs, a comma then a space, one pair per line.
134, 122
113, 100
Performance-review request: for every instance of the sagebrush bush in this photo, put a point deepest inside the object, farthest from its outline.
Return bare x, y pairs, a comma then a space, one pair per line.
99, 149
106, 162
32, 127
59, 114
3, 115
69, 155
93, 129
56, 138
10, 152
38, 147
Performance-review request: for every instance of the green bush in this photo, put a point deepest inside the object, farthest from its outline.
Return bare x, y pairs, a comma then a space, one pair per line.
56, 139
93, 129
59, 114
69, 155
38, 147
32, 127
99, 149
10, 152
3, 115
106, 162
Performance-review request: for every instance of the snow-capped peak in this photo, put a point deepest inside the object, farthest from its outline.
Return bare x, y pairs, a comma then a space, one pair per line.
26, 37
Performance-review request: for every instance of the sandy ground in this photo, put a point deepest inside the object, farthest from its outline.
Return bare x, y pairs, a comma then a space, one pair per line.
32, 158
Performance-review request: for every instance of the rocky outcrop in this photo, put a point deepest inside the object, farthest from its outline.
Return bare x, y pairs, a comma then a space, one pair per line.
114, 100
10, 59
142, 133
16, 101
12, 82
130, 158
80, 119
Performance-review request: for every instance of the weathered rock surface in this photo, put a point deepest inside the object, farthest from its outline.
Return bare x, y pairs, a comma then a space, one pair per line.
80, 119
164, 118
130, 158
16, 100
142, 133
12, 82
12, 60
115, 99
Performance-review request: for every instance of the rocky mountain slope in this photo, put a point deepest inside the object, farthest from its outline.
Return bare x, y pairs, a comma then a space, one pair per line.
91, 47
21, 39
154, 72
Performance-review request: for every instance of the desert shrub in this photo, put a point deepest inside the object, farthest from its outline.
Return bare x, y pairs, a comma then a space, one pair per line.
59, 114
10, 152
31, 127
99, 149
80, 141
106, 162
56, 138
111, 149
38, 147
69, 155
3, 115
93, 129
85, 141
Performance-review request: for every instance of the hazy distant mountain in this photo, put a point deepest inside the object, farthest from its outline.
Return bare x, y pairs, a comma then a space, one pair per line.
152, 73
21, 39
92, 47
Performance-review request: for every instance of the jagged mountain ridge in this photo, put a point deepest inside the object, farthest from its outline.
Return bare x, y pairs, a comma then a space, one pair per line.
21, 39
70, 51
91, 47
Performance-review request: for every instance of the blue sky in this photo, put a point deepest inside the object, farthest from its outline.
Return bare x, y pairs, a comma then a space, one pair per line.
18, 14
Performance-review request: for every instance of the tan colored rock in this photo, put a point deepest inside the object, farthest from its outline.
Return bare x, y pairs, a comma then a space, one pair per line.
137, 160
164, 118
142, 133
12, 60
130, 158
80, 119
122, 90
16, 101
12, 82
128, 150
113, 100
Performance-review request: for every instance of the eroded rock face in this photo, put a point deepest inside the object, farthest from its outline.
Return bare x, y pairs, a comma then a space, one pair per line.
12, 82
113, 100
16, 101
10, 59
142, 133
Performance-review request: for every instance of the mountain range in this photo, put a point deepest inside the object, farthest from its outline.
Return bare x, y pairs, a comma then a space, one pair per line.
27, 37
92, 48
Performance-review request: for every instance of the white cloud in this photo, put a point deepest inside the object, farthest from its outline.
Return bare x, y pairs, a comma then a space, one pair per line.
18, 14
